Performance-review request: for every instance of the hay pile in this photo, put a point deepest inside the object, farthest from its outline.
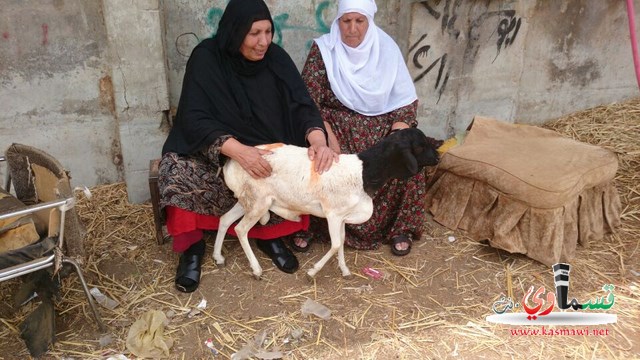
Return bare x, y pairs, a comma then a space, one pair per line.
430, 304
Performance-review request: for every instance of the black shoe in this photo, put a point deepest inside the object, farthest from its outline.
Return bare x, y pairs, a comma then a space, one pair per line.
188, 272
279, 254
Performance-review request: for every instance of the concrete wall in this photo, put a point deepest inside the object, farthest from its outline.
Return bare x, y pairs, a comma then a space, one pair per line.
55, 73
93, 82
519, 61
141, 92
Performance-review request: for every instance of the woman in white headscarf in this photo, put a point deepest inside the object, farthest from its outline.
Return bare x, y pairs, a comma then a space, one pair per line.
358, 78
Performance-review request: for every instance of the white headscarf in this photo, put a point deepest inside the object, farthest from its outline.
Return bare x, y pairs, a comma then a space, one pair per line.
371, 79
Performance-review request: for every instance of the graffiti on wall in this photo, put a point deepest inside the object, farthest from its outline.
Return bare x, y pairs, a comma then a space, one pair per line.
428, 59
185, 42
45, 35
422, 54
508, 30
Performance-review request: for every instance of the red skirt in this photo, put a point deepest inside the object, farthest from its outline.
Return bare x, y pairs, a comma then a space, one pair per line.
186, 227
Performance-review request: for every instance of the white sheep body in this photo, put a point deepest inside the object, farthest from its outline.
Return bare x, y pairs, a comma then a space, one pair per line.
296, 186
292, 189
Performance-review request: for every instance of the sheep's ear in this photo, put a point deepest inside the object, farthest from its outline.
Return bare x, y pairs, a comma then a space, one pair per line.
410, 161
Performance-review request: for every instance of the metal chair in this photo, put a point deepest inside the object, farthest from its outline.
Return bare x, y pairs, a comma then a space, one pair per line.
42, 184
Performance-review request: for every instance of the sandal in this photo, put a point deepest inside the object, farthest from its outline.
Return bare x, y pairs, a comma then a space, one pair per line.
399, 239
301, 235
281, 256
188, 273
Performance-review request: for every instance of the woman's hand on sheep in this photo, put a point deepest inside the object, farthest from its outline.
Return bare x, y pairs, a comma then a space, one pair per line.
319, 152
323, 157
249, 157
253, 163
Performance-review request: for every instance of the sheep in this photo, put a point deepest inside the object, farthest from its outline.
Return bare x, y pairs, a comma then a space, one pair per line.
342, 195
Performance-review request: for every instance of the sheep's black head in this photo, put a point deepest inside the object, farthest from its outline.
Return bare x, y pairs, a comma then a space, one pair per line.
414, 151
399, 155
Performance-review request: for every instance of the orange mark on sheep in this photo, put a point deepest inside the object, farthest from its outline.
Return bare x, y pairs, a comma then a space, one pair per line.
315, 176
271, 146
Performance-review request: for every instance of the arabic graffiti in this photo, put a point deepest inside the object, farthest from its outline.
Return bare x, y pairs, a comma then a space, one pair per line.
508, 30
212, 19
449, 16
443, 71
425, 56
280, 22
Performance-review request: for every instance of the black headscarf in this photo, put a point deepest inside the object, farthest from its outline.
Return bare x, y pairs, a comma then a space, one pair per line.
214, 101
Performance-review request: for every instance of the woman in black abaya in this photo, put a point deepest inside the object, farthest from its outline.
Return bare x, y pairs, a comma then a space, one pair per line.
239, 90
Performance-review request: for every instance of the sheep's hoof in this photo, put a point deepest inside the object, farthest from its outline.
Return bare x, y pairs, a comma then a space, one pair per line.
311, 277
347, 275
257, 274
219, 260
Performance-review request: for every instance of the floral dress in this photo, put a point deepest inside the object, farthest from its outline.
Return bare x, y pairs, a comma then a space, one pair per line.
399, 204
195, 182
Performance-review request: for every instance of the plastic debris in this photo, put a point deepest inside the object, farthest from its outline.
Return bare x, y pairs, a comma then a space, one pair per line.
246, 352
209, 344
295, 335
103, 300
197, 310
451, 239
146, 338
85, 190
371, 272
106, 340
255, 349
202, 305
312, 307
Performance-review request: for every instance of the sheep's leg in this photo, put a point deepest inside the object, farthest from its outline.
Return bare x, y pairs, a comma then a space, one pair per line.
257, 206
341, 262
265, 218
226, 220
242, 229
335, 232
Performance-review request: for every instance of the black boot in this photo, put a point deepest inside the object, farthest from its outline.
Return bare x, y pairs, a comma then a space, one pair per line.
188, 272
279, 254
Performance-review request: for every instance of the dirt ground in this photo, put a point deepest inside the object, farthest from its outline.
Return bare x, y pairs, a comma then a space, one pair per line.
431, 304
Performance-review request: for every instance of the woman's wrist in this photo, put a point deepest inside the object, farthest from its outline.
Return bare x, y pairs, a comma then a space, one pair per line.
397, 127
316, 136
